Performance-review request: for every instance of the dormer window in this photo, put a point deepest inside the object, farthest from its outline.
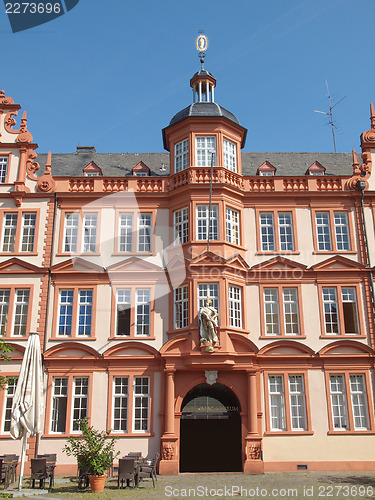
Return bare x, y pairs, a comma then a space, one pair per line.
181, 155
230, 157
3, 168
141, 170
204, 146
92, 170
266, 170
316, 169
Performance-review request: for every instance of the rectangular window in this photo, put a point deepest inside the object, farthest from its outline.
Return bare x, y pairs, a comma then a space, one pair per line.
181, 307
290, 309
297, 403
341, 231
204, 147
120, 404
230, 160
9, 394
287, 403
126, 232
75, 316
65, 312
144, 232
14, 312
340, 319
276, 231
235, 306
71, 232
359, 401
210, 290
80, 400
181, 226
285, 231
136, 319
28, 232
4, 310
9, 232
181, 155
3, 168
123, 312
90, 223
59, 404
85, 299
202, 222
277, 403
281, 320
233, 226
141, 404
332, 230
267, 232
21, 307
143, 299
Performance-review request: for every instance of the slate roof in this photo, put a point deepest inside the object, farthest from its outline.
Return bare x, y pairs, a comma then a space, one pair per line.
121, 164
203, 109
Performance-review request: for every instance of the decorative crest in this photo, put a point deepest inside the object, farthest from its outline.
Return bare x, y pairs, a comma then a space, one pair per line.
201, 44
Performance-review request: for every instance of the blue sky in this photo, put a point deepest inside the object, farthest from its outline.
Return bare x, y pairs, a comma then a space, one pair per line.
112, 73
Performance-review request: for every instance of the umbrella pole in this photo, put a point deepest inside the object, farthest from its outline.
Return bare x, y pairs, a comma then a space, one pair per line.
22, 461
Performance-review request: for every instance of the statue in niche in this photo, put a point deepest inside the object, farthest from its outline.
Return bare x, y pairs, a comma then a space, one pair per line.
208, 317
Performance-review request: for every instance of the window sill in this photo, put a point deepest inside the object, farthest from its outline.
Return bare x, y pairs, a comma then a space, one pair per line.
78, 254
132, 434
129, 254
334, 252
72, 339
342, 336
26, 254
289, 337
281, 252
349, 432
288, 433
132, 337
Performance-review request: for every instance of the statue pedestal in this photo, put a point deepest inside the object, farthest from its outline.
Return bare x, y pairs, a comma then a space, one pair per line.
254, 463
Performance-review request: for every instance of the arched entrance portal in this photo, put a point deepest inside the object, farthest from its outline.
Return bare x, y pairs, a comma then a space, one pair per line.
210, 432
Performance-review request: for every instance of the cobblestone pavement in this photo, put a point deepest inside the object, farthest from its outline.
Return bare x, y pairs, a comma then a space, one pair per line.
296, 485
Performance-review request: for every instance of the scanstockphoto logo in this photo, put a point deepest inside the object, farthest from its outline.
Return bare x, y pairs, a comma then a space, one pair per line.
25, 15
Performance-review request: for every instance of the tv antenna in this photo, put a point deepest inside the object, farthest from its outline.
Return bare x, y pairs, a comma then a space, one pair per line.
330, 114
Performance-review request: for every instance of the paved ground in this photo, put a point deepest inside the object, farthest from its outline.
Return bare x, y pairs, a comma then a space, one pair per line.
294, 485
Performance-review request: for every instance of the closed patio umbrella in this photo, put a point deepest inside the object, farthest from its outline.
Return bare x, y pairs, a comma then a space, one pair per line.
27, 409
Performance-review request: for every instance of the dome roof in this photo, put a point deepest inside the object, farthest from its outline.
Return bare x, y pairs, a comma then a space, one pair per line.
204, 109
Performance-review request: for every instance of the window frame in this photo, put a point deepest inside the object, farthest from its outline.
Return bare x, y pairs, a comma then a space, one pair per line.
285, 374
184, 155
130, 375
135, 232
183, 224
349, 404
184, 301
217, 219
80, 232
232, 226
360, 320
281, 313
9, 329
75, 312
7, 155
276, 231
332, 230
206, 149
5, 397
228, 155
52, 375
133, 287
239, 301
19, 230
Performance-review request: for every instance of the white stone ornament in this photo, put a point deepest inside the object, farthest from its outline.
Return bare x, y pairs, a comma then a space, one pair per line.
211, 376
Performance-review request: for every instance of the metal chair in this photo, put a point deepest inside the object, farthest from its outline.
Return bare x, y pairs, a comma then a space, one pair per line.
127, 470
147, 469
41, 472
4, 473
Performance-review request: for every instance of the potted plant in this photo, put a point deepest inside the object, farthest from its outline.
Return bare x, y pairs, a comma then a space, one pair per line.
94, 452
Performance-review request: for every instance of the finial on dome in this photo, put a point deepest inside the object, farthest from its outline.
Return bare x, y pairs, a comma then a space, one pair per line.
201, 44
372, 115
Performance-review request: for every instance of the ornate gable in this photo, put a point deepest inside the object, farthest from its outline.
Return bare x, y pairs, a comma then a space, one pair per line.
18, 266
337, 262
